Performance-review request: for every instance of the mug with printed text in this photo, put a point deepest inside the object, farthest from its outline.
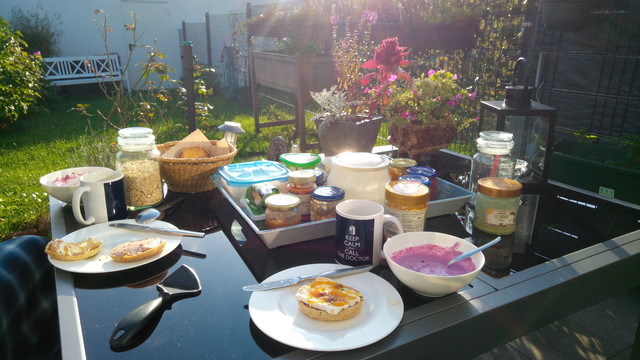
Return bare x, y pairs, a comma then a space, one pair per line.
359, 230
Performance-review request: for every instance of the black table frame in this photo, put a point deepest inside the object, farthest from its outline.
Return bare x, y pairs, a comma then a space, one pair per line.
448, 327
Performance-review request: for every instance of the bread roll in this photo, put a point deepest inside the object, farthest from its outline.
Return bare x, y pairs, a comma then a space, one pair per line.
327, 300
137, 250
194, 152
60, 250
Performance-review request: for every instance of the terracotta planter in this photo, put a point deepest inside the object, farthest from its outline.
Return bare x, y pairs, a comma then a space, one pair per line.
429, 36
340, 136
419, 139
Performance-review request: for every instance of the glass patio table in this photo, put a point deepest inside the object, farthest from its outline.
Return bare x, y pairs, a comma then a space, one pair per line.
551, 279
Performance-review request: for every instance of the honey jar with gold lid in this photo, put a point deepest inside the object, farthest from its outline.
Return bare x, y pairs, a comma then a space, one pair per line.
496, 205
406, 200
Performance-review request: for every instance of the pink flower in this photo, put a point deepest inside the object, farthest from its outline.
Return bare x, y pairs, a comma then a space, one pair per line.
438, 98
455, 76
473, 95
37, 53
451, 103
392, 77
431, 72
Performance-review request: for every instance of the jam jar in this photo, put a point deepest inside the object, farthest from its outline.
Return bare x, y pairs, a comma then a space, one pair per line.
399, 167
282, 210
323, 202
301, 184
429, 172
138, 161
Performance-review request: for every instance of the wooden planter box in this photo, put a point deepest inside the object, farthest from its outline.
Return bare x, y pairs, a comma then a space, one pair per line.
295, 74
429, 36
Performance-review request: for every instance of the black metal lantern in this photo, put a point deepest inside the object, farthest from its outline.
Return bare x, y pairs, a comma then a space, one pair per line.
531, 123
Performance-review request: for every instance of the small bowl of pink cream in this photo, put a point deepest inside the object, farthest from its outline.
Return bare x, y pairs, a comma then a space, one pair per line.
419, 260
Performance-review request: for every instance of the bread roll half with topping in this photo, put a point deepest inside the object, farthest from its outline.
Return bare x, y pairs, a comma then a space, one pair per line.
327, 300
67, 251
137, 250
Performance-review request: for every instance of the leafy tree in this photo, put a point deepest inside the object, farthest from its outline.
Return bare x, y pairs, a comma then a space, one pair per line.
21, 77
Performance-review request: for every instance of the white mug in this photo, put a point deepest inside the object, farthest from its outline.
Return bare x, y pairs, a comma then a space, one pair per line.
359, 229
102, 195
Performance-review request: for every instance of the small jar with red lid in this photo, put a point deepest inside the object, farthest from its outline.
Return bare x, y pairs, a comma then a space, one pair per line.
301, 184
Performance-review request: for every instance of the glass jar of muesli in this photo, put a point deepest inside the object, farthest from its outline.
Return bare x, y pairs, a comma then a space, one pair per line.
138, 161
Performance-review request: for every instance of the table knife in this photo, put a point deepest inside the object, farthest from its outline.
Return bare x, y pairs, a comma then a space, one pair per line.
166, 231
292, 281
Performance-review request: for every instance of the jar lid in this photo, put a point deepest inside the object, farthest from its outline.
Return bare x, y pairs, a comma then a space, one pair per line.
302, 176
495, 142
406, 193
423, 170
282, 201
360, 161
136, 138
499, 187
403, 163
300, 160
328, 193
416, 178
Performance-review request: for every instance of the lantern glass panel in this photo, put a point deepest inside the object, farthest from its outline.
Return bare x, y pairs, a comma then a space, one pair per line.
532, 130
530, 138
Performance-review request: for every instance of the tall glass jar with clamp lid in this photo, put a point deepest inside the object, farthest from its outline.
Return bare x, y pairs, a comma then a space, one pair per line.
138, 161
493, 158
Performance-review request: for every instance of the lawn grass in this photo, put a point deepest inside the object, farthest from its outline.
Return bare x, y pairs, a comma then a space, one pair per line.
59, 138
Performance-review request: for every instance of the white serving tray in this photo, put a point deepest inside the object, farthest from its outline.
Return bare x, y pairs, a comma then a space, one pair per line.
285, 235
450, 198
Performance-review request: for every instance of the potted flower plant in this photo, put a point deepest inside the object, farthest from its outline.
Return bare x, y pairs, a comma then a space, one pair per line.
426, 115
346, 124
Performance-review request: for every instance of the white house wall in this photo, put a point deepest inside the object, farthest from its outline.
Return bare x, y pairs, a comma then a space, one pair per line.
159, 19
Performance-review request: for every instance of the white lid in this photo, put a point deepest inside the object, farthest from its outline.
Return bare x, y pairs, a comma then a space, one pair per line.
360, 161
136, 138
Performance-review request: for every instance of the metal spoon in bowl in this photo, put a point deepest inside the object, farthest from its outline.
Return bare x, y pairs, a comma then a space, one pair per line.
480, 248
148, 215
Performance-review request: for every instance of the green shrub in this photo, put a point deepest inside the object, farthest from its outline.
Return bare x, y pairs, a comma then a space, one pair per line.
21, 77
40, 31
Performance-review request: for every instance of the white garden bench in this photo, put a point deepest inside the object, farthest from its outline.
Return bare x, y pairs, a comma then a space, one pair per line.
74, 70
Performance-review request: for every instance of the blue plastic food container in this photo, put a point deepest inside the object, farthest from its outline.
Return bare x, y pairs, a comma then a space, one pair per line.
236, 178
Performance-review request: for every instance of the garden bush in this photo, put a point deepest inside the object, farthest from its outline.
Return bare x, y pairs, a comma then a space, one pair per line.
21, 77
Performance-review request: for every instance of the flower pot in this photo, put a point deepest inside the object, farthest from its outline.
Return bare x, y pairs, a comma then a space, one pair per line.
337, 136
429, 36
417, 139
565, 15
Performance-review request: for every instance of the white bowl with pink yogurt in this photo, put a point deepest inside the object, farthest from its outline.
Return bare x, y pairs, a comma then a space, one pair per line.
62, 184
419, 260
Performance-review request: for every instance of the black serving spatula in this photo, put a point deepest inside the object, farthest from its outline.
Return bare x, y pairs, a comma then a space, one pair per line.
138, 325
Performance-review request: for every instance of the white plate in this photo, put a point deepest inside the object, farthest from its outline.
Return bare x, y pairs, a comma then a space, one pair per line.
276, 313
112, 237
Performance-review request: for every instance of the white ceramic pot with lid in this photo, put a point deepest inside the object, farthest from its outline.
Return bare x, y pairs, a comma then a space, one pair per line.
361, 175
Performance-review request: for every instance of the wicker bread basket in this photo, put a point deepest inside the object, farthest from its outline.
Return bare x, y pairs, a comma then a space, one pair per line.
192, 175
